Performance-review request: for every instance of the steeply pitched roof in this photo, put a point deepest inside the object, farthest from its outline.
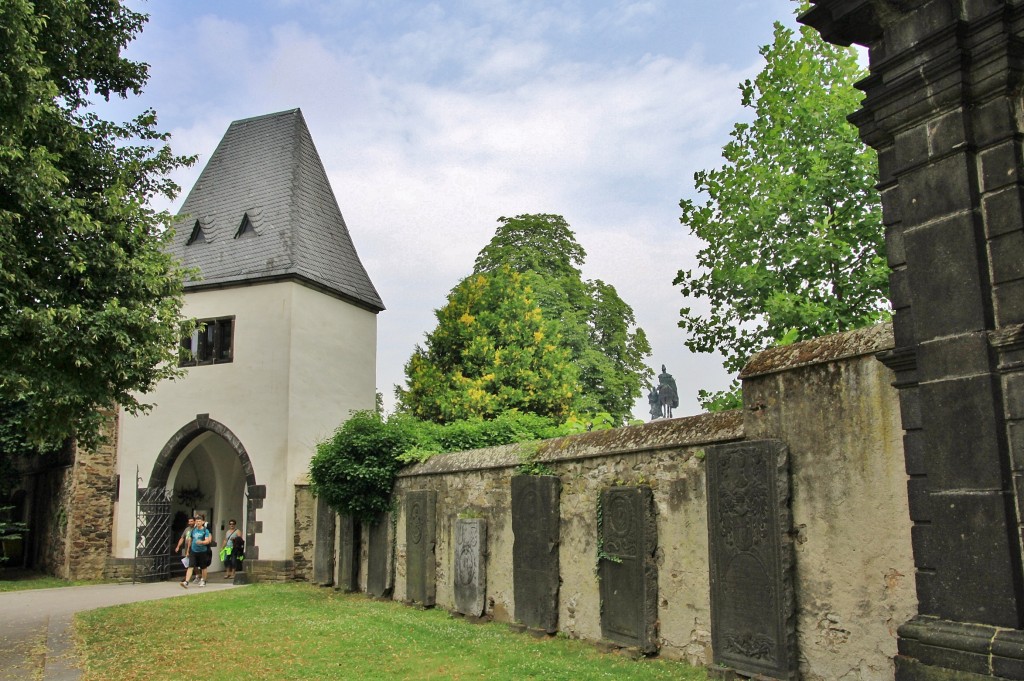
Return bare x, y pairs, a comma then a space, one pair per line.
266, 169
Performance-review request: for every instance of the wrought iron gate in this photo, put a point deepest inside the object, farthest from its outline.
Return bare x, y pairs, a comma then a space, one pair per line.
152, 534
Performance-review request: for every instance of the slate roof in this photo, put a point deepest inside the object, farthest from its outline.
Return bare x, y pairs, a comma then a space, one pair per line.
268, 168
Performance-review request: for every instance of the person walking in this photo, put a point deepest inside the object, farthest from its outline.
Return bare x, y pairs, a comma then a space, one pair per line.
182, 545
231, 562
199, 554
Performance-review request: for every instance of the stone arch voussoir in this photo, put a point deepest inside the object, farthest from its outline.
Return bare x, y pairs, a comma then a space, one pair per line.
255, 494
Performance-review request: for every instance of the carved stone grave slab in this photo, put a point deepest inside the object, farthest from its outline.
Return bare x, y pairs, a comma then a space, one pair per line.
535, 529
348, 554
323, 544
420, 540
378, 570
470, 566
753, 614
628, 571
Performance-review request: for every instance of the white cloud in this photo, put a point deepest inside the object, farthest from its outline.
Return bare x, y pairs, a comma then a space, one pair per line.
432, 135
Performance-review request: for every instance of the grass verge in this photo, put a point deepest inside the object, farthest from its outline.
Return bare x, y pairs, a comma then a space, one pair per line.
18, 580
297, 631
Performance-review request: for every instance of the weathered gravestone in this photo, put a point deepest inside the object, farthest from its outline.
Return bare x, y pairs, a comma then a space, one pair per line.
535, 527
378, 569
348, 554
323, 544
470, 568
753, 614
627, 568
420, 540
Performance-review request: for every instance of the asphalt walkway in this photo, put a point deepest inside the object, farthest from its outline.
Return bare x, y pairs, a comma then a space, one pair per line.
35, 624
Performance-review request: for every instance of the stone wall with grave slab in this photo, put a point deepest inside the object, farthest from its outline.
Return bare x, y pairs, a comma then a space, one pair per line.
666, 455
324, 553
420, 542
829, 400
627, 567
379, 560
470, 566
536, 529
347, 558
833, 404
753, 615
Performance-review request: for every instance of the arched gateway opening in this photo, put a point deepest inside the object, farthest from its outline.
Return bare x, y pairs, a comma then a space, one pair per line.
207, 470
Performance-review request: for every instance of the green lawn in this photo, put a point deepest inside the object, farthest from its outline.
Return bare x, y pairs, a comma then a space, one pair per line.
297, 631
12, 579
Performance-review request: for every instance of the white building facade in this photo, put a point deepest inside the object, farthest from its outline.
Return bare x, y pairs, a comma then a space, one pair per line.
285, 352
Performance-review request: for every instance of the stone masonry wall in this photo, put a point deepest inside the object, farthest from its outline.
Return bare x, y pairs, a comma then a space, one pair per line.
829, 400
48, 524
90, 506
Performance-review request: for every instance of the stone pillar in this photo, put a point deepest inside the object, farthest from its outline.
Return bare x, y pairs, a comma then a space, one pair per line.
943, 108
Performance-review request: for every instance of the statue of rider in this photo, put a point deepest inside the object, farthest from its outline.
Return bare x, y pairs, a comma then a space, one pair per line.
668, 395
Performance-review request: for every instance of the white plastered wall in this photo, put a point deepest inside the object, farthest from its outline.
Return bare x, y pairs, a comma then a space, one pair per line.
302, 360
333, 353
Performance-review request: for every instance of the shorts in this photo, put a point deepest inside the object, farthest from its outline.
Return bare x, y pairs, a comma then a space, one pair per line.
232, 562
200, 559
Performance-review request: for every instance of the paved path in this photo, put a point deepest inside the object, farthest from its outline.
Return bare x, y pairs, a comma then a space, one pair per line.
35, 625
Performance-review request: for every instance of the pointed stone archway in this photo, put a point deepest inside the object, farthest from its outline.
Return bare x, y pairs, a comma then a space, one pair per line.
179, 443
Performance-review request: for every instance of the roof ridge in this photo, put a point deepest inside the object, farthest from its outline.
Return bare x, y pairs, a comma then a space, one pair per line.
296, 240
269, 115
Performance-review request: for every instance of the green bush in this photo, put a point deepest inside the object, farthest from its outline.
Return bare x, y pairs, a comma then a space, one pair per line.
354, 471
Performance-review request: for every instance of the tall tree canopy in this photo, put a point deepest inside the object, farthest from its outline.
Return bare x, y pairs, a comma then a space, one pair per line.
89, 300
597, 326
792, 222
492, 351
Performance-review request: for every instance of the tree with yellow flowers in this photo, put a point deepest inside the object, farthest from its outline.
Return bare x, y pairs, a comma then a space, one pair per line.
492, 351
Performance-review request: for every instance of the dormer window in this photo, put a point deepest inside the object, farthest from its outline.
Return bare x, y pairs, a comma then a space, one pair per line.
210, 343
245, 229
197, 235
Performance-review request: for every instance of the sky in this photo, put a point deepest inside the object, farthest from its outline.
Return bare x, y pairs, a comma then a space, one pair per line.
434, 119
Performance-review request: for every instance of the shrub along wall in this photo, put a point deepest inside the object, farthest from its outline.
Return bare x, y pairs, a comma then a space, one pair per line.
829, 400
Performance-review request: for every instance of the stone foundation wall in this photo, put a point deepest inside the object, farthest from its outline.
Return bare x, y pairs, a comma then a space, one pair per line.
270, 570
829, 400
120, 569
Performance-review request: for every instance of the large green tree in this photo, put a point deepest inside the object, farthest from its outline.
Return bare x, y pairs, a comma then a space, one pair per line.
794, 244
492, 351
597, 326
89, 300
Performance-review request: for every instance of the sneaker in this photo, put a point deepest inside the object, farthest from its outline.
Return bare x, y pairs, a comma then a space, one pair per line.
184, 584
202, 582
